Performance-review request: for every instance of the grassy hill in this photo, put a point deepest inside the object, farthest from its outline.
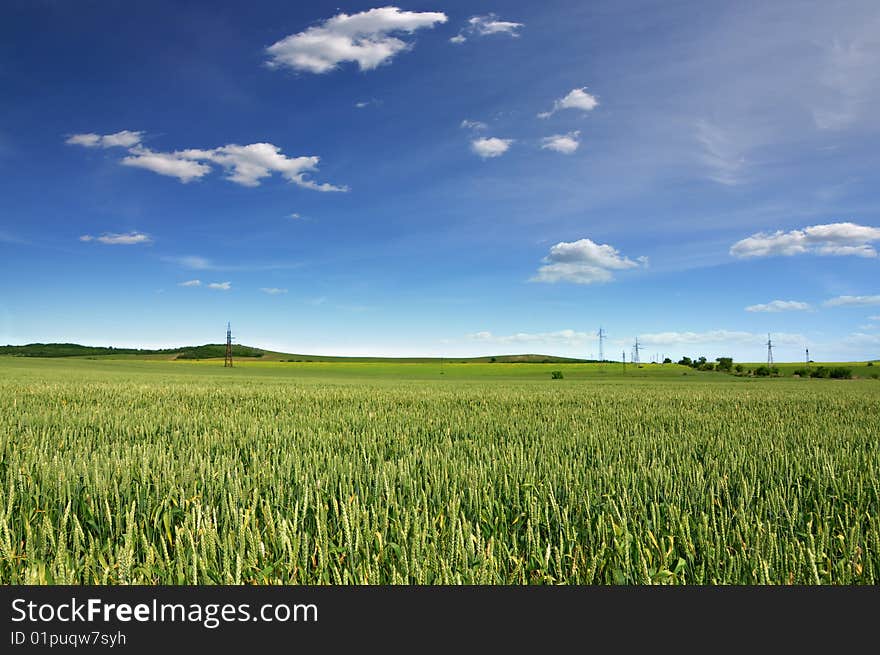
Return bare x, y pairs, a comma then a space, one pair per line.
218, 351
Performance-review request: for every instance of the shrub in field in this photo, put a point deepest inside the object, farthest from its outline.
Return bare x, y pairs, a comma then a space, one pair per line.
840, 373
556, 375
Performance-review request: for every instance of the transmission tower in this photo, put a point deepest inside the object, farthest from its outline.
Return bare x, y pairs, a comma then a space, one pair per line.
601, 343
808, 357
623, 354
227, 362
769, 351
635, 357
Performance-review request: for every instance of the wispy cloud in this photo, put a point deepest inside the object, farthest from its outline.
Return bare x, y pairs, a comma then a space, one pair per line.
852, 301
559, 338
112, 239
584, 262
779, 306
365, 38
123, 139
564, 143
468, 124
489, 147
273, 291
363, 104
718, 337
721, 152
221, 286
575, 99
486, 25
198, 263
830, 239
190, 283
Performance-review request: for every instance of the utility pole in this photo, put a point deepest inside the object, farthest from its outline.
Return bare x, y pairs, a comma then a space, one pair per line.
227, 362
624, 361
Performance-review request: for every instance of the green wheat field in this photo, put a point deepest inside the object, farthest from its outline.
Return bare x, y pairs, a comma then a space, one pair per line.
116, 471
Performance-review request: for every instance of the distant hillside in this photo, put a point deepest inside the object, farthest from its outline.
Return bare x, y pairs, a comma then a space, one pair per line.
217, 350
207, 351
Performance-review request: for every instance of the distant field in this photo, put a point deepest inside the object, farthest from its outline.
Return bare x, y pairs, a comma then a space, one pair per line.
172, 472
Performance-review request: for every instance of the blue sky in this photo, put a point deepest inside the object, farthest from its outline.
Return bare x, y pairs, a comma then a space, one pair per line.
443, 178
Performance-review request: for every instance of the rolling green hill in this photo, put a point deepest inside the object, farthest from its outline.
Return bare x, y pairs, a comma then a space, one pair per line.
217, 351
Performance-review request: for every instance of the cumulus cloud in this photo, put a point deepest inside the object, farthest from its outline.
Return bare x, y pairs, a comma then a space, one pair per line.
575, 99
561, 337
484, 26
830, 239
273, 291
190, 283
779, 306
123, 139
468, 124
584, 262
365, 38
222, 286
113, 239
718, 337
490, 146
852, 301
564, 143
170, 164
246, 165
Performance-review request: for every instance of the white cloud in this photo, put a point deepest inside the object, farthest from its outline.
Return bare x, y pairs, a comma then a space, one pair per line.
294, 216
561, 337
584, 262
564, 143
486, 25
190, 283
245, 165
468, 124
112, 239
170, 164
874, 318
718, 337
831, 239
852, 301
779, 306
273, 291
222, 286
575, 99
364, 38
490, 146
123, 139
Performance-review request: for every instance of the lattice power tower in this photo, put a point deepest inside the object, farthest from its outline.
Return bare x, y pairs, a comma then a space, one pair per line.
227, 362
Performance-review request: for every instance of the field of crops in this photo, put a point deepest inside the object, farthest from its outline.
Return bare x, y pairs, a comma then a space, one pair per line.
185, 473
